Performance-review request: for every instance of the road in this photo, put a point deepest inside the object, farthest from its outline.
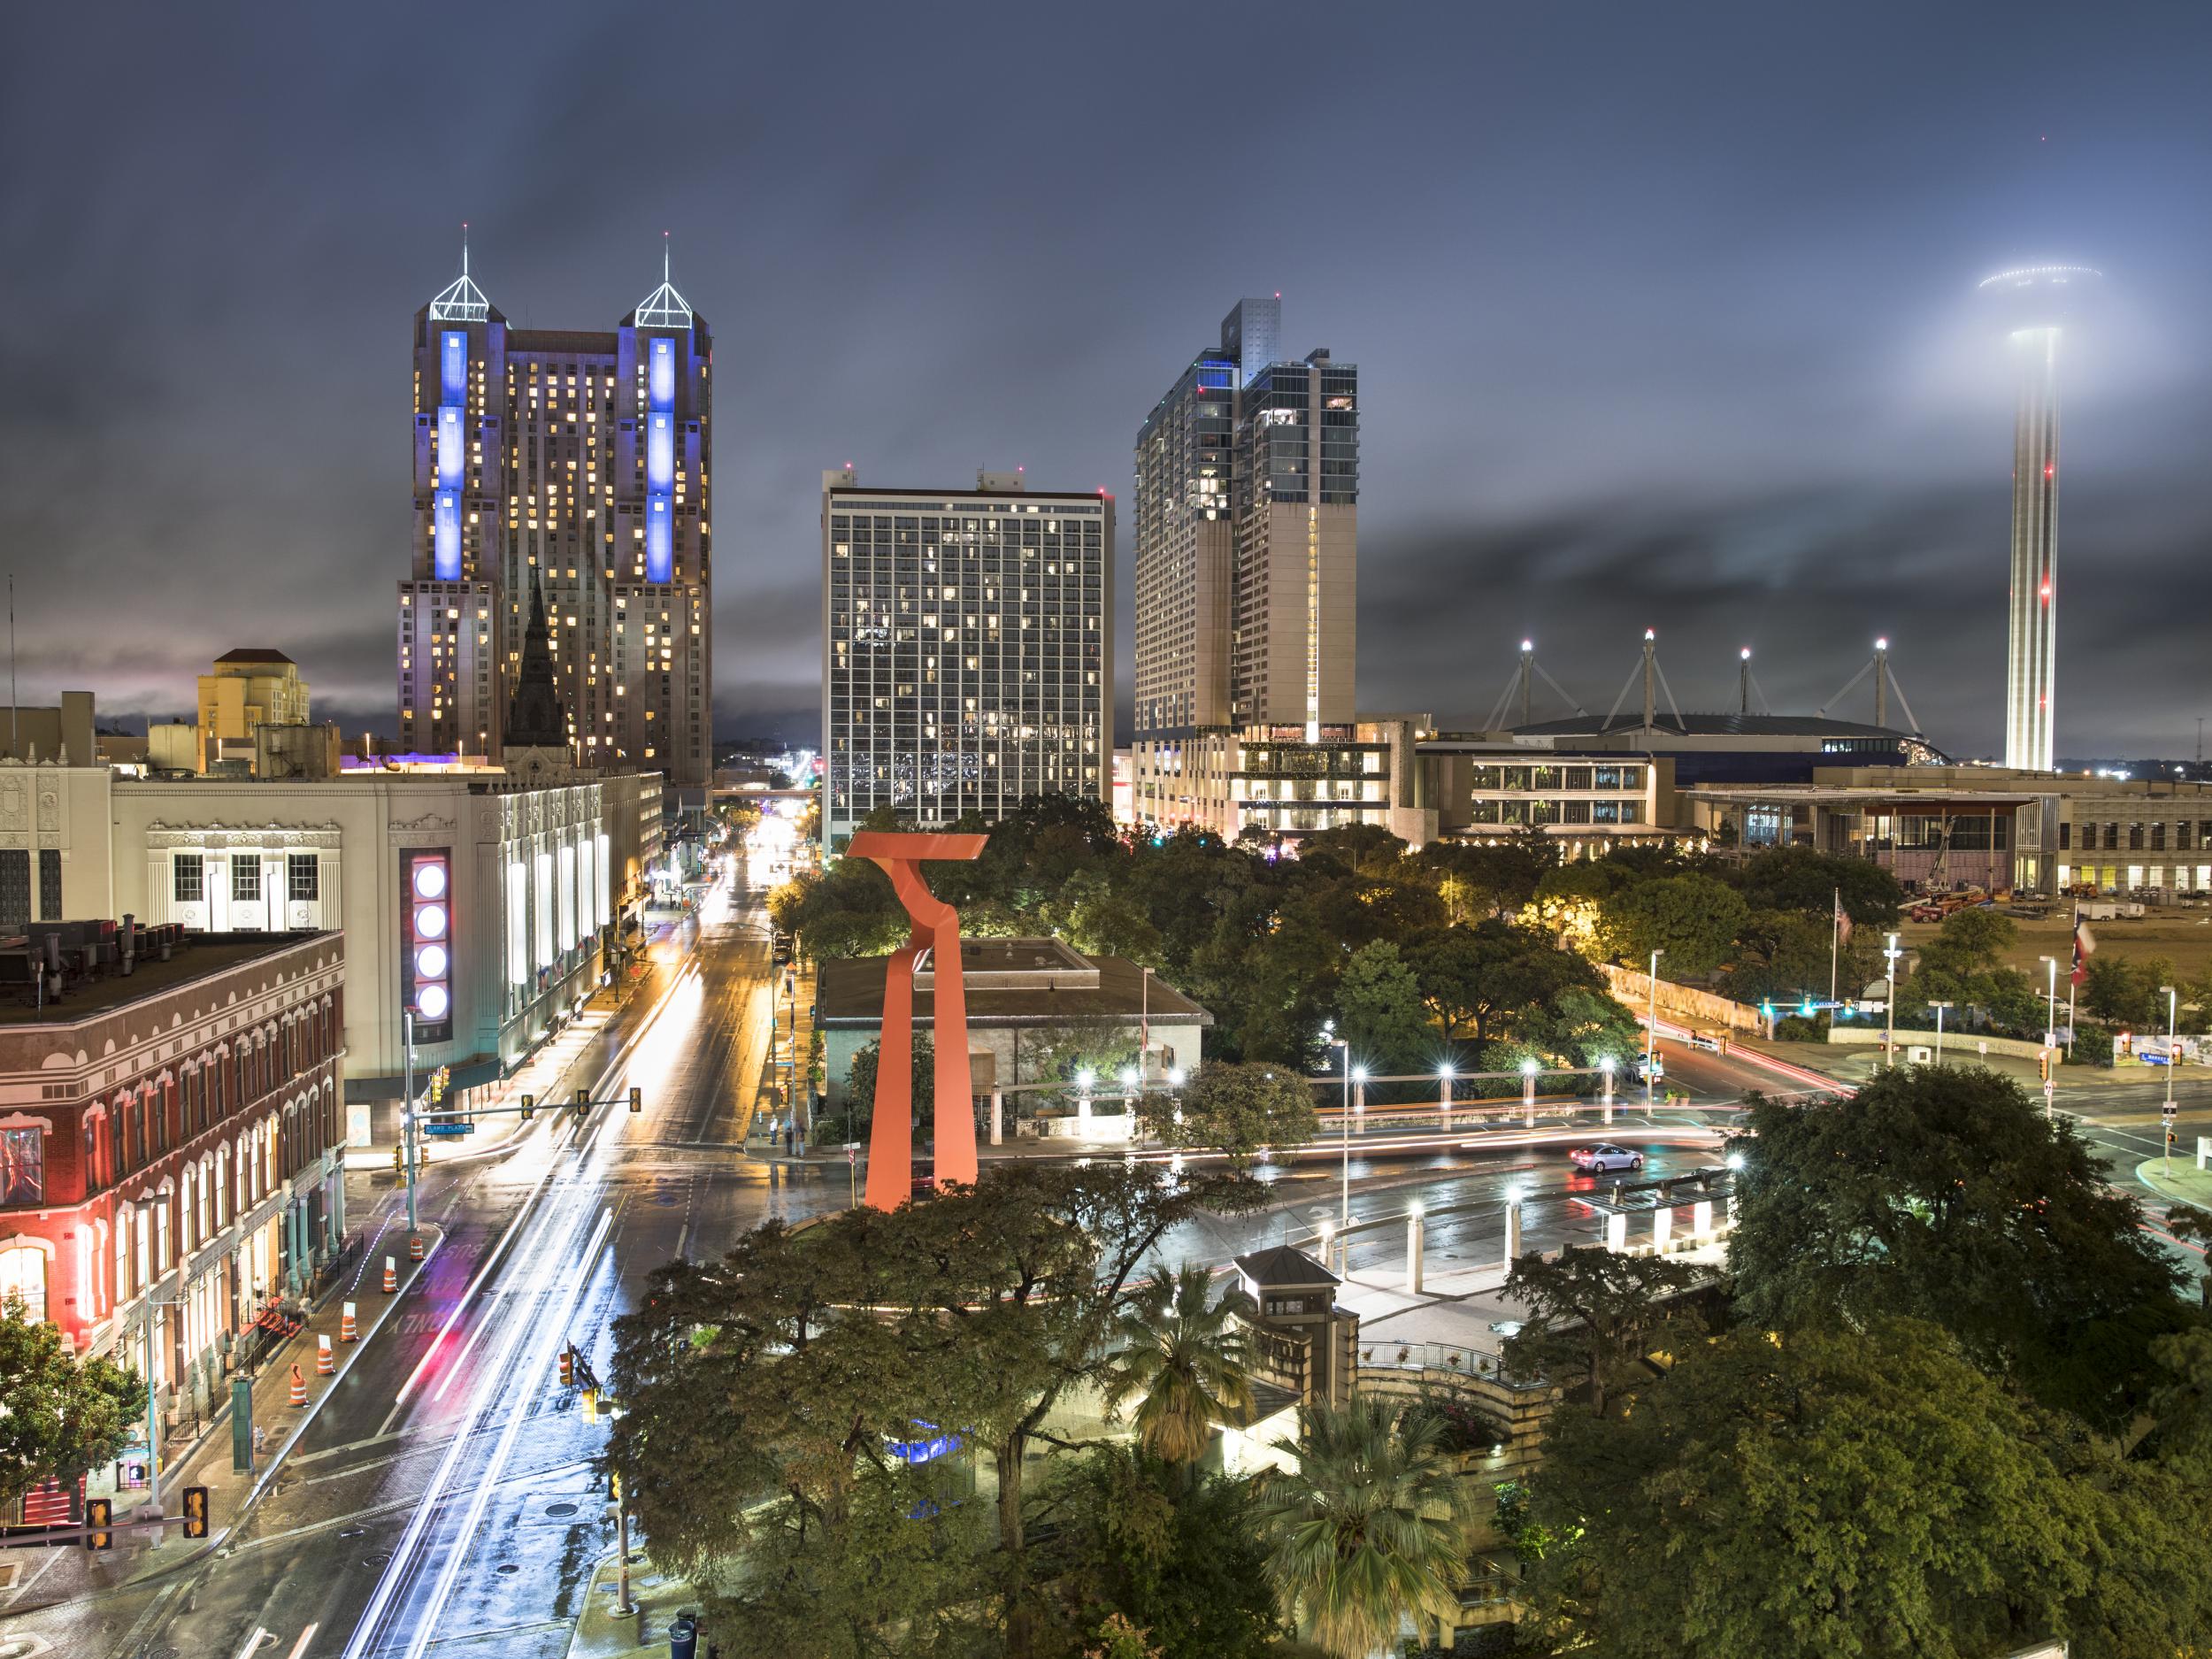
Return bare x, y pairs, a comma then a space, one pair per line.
442, 1500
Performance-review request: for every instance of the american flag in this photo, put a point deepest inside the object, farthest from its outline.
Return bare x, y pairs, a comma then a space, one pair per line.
2084, 943
1843, 920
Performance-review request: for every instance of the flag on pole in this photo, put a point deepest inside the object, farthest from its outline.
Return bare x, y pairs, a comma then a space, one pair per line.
2085, 945
1843, 920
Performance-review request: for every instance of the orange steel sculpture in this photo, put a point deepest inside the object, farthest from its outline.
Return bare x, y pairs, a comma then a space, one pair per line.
937, 930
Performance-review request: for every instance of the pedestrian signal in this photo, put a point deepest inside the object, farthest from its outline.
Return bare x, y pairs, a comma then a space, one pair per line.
529, 1107
195, 1512
637, 1098
99, 1515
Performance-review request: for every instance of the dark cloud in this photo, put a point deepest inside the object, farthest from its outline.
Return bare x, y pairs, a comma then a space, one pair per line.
1664, 316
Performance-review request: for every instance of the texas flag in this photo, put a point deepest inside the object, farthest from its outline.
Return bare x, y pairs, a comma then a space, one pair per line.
2084, 943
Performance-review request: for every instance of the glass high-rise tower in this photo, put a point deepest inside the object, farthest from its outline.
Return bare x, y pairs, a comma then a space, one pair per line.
577, 460
1247, 613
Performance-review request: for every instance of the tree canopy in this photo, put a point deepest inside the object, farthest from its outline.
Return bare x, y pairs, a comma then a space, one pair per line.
1869, 1492
769, 1395
1945, 1195
58, 1415
1234, 1109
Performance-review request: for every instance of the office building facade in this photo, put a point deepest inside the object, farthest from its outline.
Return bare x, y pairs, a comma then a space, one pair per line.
578, 460
967, 649
1247, 555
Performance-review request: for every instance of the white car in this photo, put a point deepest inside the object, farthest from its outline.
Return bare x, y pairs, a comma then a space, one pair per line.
1605, 1155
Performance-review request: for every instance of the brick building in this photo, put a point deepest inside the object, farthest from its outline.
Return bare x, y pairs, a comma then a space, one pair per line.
169, 1140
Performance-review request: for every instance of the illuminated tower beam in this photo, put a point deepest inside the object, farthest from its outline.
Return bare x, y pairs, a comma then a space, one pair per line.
2038, 300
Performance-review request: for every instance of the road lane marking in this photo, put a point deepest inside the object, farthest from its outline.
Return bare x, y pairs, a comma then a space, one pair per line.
546, 1332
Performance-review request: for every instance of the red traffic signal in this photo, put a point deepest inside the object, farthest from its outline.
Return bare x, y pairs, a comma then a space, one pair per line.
568, 1367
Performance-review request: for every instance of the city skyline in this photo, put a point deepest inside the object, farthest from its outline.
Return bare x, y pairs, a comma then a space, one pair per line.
1743, 398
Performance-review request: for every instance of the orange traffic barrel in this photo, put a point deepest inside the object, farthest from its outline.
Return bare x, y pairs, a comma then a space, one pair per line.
299, 1387
326, 1359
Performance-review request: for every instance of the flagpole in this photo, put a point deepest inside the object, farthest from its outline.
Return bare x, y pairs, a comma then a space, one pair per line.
1835, 944
2073, 982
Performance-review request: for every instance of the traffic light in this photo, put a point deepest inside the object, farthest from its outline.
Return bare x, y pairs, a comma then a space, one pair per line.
99, 1515
637, 1098
195, 1512
591, 1405
583, 1102
529, 1107
399, 1159
568, 1367
2043, 1063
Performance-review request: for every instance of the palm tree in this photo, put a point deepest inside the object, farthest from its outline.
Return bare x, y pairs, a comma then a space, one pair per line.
1186, 1357
1372, 1526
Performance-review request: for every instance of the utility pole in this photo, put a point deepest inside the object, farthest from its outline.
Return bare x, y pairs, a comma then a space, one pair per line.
407, 1113
1939, 1008
153, 1409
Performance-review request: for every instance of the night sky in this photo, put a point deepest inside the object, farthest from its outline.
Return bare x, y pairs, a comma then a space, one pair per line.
1666, 315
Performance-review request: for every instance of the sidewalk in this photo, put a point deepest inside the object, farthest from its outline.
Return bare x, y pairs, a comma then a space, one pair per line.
1856, 1063
1456, 1308
2187, 1185
603, 1633
783, 1068
543, 1074
206, 1462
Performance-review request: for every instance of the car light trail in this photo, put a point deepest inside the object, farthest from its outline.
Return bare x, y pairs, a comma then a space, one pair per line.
567, 1221
548, 1334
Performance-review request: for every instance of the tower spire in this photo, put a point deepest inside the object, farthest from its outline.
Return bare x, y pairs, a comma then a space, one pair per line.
535, 719
462, 300
663, 308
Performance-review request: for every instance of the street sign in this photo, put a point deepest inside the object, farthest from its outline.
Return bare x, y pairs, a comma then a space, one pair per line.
447, 1126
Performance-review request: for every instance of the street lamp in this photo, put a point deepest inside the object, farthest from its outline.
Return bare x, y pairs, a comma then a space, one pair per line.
1889, 1006
2166, 1124
1651, 1031
1084, 1079
1939, 1008
1344, 1116
1605, 1066
1444, 1075
1528, 1091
